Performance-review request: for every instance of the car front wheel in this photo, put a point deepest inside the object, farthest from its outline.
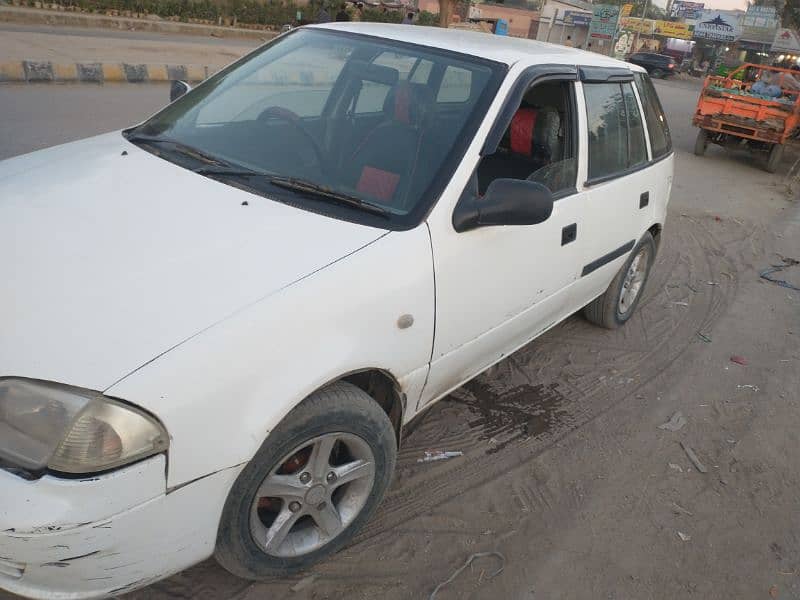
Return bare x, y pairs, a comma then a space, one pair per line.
314, 482
617, 304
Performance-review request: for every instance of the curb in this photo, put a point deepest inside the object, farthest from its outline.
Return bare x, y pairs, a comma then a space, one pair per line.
40, 71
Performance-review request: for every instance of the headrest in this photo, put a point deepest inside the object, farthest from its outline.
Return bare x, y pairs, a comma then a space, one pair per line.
407, 103
522, 127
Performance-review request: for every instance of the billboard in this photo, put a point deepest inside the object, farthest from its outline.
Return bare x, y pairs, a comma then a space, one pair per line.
579, 18
686, 10
786, 40
718, 26
760, 24
638, 25
604, 21
682, 31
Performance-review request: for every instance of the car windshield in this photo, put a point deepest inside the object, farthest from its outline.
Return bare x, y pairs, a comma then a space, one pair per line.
325, 116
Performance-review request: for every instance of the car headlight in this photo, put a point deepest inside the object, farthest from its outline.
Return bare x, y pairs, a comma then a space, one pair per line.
46, 425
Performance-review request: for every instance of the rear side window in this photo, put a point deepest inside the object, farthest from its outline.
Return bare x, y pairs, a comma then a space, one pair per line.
616, 131
657, 127
456, 86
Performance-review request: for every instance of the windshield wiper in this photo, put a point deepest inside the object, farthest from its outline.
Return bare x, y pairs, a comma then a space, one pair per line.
299, 185
183, 148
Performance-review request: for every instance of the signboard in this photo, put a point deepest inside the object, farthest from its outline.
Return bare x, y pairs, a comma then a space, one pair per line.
681, 9
574, 17
638, 25
626, 11
604, 21
718, 26
786, 40
682, 31
760, 23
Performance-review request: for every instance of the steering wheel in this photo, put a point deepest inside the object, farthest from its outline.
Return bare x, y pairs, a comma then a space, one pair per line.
288, 116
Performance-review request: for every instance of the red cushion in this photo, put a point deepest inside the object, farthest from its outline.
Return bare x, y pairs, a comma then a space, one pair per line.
378, 183
402, 101
522, 126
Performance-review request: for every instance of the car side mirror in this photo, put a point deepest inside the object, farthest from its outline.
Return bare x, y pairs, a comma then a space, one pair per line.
177, 89
507, 202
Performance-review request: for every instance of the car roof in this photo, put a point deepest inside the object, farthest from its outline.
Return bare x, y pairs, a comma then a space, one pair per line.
499, 48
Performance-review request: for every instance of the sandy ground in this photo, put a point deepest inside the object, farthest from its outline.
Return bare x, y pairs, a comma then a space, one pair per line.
565, 471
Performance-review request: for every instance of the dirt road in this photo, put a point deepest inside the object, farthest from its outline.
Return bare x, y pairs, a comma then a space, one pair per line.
565, 470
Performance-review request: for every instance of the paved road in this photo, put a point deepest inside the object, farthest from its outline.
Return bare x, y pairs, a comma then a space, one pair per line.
38, 116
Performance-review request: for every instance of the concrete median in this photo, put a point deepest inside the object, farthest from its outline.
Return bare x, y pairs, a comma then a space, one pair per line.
36, 71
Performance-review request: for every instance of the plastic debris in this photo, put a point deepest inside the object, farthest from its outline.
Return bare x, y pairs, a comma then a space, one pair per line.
787, 262
693, 457
747, 386
739, 360
675, 467
679, 510
681, 303
684, 537
467, 564
676, 422
773, 591
704, 337
434, 455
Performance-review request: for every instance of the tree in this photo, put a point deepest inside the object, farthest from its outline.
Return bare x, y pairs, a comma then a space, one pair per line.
446, 11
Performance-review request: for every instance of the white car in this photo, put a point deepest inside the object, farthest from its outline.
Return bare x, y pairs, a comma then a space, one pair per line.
216, 324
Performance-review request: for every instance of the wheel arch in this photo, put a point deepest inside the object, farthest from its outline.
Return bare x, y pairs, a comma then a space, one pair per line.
655, 230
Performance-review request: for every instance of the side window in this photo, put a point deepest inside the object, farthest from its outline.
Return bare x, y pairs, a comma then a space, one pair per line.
539, 144
637, 145
456, 86
608, 136
371, 98
657, 127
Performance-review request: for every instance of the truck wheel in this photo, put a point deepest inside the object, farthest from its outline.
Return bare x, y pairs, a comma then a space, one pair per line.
617, 304
314, 482
701, 143
774, 158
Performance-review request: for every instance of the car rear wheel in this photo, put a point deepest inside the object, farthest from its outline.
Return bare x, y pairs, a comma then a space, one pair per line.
701, 143
774, 158
658, 73
618, 303
314, 482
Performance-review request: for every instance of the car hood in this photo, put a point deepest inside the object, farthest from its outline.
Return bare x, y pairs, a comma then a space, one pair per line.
111, 259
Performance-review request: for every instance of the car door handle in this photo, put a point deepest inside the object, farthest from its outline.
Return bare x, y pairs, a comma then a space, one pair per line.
644, 199
569, 233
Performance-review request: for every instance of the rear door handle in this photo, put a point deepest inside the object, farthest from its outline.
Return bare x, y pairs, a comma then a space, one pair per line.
569, 233
644, 199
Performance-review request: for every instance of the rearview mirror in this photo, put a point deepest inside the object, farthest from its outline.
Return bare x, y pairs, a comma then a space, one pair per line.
177, 89
507, 202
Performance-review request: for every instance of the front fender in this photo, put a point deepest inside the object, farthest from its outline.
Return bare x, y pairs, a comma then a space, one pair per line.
221, 392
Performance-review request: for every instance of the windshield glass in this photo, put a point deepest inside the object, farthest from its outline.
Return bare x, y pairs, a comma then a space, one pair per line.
357, 116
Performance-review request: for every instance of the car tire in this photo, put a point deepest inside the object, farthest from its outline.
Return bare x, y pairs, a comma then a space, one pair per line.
609, 310
701, 143
658, 73
340, 411
774, 158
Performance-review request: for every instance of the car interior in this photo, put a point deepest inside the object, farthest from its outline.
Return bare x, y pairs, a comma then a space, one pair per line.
538, 145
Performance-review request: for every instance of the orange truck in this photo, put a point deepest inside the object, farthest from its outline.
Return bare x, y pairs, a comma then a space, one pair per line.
755, 106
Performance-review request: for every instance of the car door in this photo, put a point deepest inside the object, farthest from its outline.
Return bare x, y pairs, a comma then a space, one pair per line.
619, 186
498, 287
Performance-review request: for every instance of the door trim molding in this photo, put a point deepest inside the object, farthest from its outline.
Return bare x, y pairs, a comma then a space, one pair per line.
607, 258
